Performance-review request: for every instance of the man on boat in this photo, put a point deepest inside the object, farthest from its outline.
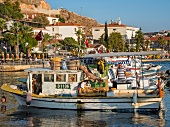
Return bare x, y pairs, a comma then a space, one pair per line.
121, 72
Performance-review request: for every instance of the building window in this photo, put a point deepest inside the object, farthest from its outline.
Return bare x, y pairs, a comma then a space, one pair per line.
53, 29
48, 77
97, 30
75, 29
61, 77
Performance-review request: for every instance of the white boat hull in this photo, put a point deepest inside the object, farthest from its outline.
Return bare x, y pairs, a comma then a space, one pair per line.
79, 103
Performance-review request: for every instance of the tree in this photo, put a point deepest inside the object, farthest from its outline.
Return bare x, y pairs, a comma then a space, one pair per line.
161, 42
106, 36
115, 42
79, 35
102, 41
3, 24
20, 35
147, 43
11, 10
69, 44
139, 40
168, 35
42, 19
45, 40
15, 35
168, 46
60, 19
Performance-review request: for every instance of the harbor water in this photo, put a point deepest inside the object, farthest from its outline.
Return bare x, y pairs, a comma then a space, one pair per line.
13, 115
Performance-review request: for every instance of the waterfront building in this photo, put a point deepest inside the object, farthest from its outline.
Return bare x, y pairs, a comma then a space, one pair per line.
128, 32
63, 30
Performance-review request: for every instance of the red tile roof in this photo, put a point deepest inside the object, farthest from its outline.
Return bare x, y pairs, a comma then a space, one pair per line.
156, 38
114, 25
94, 45
64, 24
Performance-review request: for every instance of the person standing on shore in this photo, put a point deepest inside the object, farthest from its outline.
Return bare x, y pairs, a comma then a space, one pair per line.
121, 72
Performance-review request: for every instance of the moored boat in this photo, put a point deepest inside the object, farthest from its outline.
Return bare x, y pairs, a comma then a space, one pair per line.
70, 85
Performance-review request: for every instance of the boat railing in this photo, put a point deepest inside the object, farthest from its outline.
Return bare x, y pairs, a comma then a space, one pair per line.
65, 65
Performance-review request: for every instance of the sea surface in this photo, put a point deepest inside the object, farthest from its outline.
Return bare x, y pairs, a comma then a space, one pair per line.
13, 115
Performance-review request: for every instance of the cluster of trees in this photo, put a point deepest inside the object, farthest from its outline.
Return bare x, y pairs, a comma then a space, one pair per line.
115, 42
22, 36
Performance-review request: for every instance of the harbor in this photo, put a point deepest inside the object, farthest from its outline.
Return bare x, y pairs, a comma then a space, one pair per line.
13, 115
19, 66
62, 68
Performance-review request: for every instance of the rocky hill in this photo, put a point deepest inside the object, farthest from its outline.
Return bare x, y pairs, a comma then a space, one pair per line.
41, 6
75, 18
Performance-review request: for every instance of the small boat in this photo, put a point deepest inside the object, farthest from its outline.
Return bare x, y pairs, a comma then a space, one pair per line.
70, 85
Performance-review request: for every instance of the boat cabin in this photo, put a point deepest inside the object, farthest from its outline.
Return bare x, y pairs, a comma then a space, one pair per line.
54, 82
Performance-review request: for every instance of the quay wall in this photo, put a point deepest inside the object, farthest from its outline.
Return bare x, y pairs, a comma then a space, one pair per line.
10, 68
13, 67
155, 60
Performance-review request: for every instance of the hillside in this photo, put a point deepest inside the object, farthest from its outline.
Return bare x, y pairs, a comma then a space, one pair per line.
41, 6
75, 18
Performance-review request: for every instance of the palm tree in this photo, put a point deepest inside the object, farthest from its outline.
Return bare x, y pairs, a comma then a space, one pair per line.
161, 42
147, 43
45, 40
19, 35
79, 34
3, 25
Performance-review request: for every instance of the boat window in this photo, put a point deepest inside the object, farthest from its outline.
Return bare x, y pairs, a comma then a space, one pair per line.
82, 77
48, 77
61, 77
72, 77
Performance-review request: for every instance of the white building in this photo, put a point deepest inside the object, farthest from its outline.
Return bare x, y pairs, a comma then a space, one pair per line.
126, 31
52, 20
63, 30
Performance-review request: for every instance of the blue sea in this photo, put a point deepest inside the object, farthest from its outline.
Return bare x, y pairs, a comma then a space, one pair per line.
12, 115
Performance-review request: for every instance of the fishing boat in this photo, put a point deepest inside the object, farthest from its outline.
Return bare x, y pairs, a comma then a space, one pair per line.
68, 84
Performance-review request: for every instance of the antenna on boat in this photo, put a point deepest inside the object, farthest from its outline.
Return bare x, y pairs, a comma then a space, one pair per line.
142, 71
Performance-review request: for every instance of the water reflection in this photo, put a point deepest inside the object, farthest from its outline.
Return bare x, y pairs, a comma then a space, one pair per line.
3, 109
45, 117
14, 116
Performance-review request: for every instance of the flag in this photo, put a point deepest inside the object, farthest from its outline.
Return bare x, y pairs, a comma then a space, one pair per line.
39, 36
87, 42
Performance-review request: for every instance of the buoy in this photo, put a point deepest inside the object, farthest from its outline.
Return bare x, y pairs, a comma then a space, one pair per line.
3, 99
134, 97
28, 98
3, 108
160, 89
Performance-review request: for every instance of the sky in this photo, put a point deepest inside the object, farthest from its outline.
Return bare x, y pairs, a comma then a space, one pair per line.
149, 15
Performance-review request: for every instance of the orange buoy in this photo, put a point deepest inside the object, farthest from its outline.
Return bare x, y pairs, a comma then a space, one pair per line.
3, 99
160, 89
